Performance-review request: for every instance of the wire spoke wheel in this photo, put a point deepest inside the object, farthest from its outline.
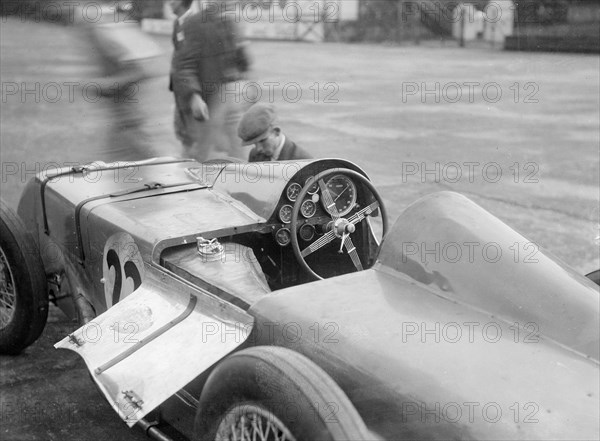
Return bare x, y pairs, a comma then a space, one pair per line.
23, 295
273, 393
8, 293
252, 422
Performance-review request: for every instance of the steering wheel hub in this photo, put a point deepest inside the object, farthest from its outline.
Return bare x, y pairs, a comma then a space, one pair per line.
342, 226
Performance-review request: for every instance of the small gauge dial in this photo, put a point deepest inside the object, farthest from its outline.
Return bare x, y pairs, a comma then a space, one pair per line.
308, 208
293, 191
283, 236
307, 232
343, 192
313, 188
285, 214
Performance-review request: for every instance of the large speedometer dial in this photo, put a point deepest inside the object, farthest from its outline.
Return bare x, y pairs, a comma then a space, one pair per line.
343, 192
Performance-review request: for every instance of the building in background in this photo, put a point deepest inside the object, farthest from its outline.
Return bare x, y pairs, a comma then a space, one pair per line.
556, 25
549, 25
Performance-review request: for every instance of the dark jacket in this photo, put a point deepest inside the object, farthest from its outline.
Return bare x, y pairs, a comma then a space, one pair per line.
289, 151
205, 58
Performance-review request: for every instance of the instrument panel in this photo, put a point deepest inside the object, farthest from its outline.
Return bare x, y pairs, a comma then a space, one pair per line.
313, 209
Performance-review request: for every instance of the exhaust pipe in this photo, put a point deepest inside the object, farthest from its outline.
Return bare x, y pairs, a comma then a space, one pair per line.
152, 431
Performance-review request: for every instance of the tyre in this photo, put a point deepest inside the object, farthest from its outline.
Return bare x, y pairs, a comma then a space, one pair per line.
23, 295
275, 393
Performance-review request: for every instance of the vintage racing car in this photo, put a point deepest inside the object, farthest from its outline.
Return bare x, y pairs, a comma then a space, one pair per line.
236, 301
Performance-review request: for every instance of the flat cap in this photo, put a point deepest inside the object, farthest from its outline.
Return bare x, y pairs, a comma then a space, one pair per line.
255, 123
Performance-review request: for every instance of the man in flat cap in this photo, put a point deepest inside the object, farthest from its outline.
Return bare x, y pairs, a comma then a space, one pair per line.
258, 126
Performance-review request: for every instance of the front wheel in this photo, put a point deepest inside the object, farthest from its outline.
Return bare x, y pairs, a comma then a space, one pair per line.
23, 295
274, 393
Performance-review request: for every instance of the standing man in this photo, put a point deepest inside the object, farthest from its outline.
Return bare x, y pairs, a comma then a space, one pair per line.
259, 126
207, 61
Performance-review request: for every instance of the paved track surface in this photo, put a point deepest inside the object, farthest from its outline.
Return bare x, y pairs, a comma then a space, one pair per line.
366, 103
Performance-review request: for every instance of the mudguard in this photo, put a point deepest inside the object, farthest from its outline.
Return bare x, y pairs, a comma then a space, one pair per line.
155, 341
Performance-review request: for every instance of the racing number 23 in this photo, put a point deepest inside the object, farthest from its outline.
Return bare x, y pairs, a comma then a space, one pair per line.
122, 268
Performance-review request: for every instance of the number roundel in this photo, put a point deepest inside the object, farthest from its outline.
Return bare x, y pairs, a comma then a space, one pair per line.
122, 268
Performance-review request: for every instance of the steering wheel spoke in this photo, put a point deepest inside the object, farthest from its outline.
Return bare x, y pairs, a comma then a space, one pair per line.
351, 249
360, 215
318, 244
329, 202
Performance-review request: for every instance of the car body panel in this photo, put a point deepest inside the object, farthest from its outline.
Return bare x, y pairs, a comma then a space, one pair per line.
64, 193
245, 282
449, 242
421, 365
177, 223
152, 343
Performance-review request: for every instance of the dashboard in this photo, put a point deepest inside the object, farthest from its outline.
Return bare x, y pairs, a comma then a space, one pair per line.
313, 210
302, 219
315, 219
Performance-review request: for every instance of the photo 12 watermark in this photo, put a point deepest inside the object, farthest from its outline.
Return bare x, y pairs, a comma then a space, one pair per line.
268, 11
469, 332
470, 172
273, 91
454, 92
124, 172
71, 12
454, 12
469, 412
54, 92
453, 252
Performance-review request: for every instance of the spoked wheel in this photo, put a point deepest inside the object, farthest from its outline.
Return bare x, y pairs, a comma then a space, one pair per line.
23, 296
275, 394
8, 292
249, 422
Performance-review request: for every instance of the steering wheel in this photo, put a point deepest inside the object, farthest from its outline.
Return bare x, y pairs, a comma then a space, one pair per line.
339, 227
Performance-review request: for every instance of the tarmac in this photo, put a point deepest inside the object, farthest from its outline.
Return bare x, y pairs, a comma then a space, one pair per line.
522, 140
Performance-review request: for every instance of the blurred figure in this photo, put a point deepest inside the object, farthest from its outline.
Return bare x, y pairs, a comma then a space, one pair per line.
128, 57
259, 127
207, 62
